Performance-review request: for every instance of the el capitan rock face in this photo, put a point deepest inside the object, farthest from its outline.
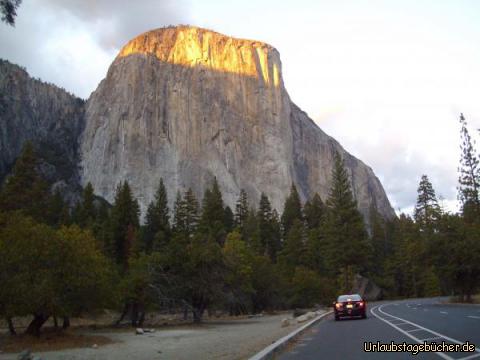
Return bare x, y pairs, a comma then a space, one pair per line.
187, 104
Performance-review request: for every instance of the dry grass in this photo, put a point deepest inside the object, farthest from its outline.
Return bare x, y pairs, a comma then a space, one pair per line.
50, 340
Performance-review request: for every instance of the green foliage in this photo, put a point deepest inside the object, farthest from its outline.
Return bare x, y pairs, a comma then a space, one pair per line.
294, 252
306, 289
239, 262
86, 211
8, 9
427, 211
44, 272
241, 211
124, 224
268, 229
185, 216
292, 210
314, 211
469, 178
229, 219
347, 243
157, 230
25, 189
212, 220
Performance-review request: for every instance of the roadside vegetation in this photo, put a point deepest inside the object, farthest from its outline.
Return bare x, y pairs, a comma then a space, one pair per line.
59, 262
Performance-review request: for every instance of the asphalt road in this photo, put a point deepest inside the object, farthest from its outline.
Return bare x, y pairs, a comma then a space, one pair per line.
413, 321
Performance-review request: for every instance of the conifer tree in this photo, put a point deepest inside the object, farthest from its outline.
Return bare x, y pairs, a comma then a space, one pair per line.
427, 211
86, 211
56, 215
124, 224
185, 214
469, 177
294, 250
251, 234
348, 246
292, 210
314, 211
212, 221
241, 210
157, 226
268, 228
229, 219
25, 189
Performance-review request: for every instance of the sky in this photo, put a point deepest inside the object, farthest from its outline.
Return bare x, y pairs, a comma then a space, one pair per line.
386, 78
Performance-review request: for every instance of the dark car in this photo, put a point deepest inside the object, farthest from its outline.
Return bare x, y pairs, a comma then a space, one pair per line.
351, 306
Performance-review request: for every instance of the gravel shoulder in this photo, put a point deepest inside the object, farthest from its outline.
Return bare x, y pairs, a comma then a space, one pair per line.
224, 339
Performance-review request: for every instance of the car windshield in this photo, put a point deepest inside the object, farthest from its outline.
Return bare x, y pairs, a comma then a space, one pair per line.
343, 298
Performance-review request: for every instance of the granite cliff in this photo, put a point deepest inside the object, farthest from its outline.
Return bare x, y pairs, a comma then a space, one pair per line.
187, 104
47, 116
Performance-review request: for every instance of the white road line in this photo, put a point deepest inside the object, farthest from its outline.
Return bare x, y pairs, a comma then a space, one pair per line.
432, 338
443, 355
409, 331
400, 323
473, 317
444, 312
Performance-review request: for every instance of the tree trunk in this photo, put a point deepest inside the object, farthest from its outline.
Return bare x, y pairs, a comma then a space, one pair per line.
36, 324
55, 322
185, 312
124, 313
66, 322
198, 313
141, 320
134, 315
11, 328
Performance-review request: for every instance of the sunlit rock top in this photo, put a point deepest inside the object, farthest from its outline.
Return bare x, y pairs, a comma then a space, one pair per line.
192, 46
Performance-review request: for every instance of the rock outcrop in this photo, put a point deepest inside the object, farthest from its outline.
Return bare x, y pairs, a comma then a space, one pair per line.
49, 117
187, 104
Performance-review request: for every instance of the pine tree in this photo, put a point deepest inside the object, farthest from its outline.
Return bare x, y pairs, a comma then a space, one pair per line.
268, 228
314, 211
212, 221
229, 219
469, 178
56, 210
191, 212
292, 210
294, 252
348, 246
241, 210
427, 211
251, 234
185, 214
25, 189
157, 226
124, 224
86, 211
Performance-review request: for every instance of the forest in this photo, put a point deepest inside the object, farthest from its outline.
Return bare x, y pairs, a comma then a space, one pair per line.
61, 261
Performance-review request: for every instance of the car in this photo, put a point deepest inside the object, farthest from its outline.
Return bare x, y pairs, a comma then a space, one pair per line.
350, 306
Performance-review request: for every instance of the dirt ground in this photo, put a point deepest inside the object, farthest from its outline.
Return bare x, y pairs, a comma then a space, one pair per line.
215, 339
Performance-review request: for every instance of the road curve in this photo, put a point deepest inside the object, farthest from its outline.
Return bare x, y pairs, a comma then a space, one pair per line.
412, 321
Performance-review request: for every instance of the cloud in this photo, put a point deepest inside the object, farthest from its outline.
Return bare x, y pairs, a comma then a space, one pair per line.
401, 143
116, 21
71, 43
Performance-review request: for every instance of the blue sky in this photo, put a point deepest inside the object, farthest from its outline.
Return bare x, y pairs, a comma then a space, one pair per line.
387, 79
